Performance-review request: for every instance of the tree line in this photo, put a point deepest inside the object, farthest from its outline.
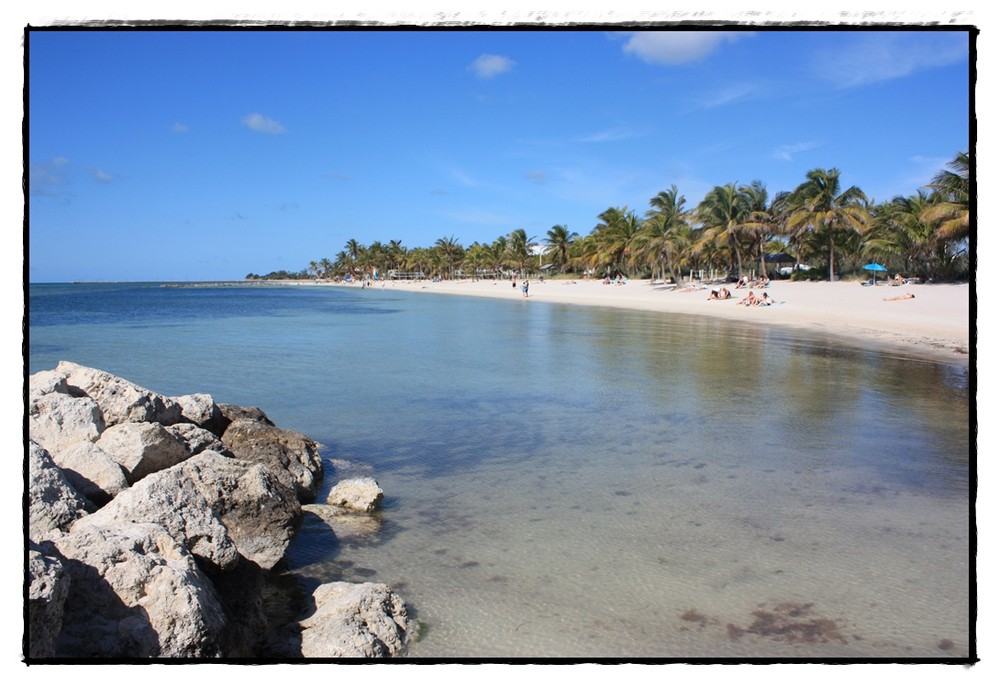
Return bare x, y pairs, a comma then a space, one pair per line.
733, 230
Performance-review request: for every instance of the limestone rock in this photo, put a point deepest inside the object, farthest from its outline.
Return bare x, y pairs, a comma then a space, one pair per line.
261, 514
48, 586
230, 413
135, 593
355, 620
53, 503
57, 421
92, 472
172, 500
200, 409
197, 439
45, 382
362, 494
119, 400
294, 456
142, 448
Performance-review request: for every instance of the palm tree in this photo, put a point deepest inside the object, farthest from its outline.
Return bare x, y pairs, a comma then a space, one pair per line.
477, 257
665, 240
325, 268
353, 249
614, 240
950, 209
451, 253
763, 220
519, 248
723, 215
559, 242
397, 254
818, 206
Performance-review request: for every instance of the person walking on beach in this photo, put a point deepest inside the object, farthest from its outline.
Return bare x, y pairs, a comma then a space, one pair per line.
524, 289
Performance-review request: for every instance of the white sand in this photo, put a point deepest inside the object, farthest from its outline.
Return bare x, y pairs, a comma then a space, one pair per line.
935, 323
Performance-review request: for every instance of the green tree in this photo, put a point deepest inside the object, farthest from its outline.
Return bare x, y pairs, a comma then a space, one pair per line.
664, 243
559, 241
519, 248
450, 252
950, 207
613, 247
818, 206
723, 215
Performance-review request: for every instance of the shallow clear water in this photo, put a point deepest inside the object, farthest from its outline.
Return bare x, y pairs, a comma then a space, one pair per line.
585, 482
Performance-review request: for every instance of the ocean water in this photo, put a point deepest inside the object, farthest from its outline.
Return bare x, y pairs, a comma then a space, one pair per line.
568, 482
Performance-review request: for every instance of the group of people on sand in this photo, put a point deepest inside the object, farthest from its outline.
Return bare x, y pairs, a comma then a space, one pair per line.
750, 299
755, 301
760, 282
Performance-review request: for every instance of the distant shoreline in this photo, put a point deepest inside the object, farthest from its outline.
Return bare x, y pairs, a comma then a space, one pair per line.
933, 325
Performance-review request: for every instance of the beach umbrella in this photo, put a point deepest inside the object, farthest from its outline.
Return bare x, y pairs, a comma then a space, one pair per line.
874, 267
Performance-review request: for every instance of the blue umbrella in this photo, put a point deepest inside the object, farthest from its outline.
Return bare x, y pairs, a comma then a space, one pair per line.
874, 267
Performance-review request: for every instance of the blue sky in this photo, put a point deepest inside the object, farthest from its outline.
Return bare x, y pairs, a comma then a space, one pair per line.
210, 154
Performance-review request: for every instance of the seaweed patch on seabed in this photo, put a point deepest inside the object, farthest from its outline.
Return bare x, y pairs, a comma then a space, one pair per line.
787, 622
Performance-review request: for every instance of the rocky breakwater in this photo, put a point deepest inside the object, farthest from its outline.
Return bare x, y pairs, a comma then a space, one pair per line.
153, 523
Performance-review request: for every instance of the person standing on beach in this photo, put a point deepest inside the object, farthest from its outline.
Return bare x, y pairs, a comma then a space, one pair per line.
524, 289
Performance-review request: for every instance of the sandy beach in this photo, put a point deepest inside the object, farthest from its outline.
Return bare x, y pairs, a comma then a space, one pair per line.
934, 323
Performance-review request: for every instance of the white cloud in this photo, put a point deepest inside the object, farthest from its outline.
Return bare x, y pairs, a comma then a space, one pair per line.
726, 95
45, 179
609, 135
487, 66
102, 176
179, 128
258, 122
336, 176
678, 47
785, 152
875, 57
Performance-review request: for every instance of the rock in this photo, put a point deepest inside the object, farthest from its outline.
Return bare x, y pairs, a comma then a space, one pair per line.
135, 593
230, 413
120, 400
260, 512
354, 620
57, 421
48, 586
45, 382
197, 439
362, 494
200, 409
172, 500
142, 448
294, 456
53, 503
92, 472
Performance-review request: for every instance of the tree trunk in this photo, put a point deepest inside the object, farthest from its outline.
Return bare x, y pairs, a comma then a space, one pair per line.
831, 256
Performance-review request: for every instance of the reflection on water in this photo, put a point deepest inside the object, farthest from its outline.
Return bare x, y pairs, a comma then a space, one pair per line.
574, 482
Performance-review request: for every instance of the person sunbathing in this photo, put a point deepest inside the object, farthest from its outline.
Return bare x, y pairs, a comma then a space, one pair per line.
897, 280
750, 299
901, 297
765, 300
